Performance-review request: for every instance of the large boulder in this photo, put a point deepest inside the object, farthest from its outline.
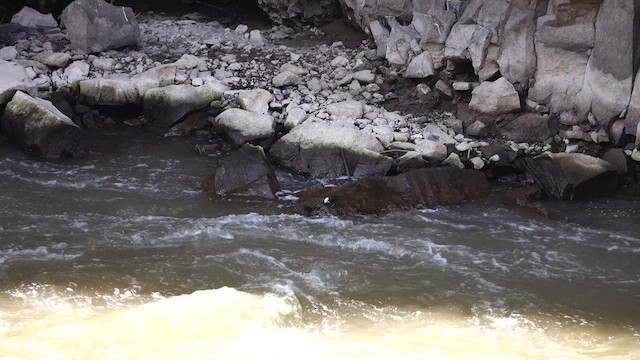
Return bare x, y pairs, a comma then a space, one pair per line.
13, 78
244, 172
495, 98
122, 89
517, 60
321, 150
417, 188
241, 126
41, 128
468, 42
572, 175
95, 26
33, 19
609, 74
166, 105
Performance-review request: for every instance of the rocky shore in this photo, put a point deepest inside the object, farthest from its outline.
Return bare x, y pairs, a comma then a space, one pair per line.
409, 127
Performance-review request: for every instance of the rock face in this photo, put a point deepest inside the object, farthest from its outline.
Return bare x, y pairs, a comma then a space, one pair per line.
416, 188
166, 105
12, 79
241, 126
572, 176
495, 98
244, 172
95, 25
41, 128
286, 11
321, 150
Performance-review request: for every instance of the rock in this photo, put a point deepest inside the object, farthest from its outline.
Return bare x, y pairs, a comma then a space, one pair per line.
244, 172
517, 58
95, 26
635, 155
431, 150
33, 19
122, 89
528, 198
13, 78
285, 78
53, 60
166, 105
420, 67
103, 64
339, 61
256, 101
241, 126
617, 133
477, 129
608, 79
321, 150
255, 37
453, 160
8, 53
411, 160
41, 128
632, 120
295, 117
618, 159
241, 29
572, 176
191, 124
434, 133
468, 42
477, 162
294, 69
445, 89
365, 76
495, 98
78, 70
350, 109
297, 11
414, 189
531, 128
464, 85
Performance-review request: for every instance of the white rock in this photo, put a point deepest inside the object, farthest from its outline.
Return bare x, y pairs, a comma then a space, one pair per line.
453, 160
477, 162
495, 158
255, 37
431, 150
8, 53
295, 117
285, 78
495, 98
241, 29
635, 155
295, 69
349, 109
420, 67
256, 100
365, 76
78, 70
463, 146
340, 61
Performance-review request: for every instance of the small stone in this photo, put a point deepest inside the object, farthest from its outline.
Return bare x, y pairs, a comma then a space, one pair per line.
8, 53
431, 150
103, 64
495, 158
463, 146
477, 163
241, 29
477, 129
53, 60
349, 109
255, 37
285, 78
340, 61
77, 71
365, 76
453, 160
295, 117
444, 88
635, 155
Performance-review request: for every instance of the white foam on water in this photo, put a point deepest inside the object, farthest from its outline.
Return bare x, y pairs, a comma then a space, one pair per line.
55, 252
229, 324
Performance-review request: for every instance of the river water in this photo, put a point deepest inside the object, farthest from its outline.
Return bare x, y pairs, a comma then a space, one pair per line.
120, 256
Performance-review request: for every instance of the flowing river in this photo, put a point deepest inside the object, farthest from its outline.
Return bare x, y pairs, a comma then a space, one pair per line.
120, 256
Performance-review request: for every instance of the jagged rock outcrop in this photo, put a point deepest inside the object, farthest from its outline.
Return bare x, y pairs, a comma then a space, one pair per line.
299, 11
95, 25
41, 128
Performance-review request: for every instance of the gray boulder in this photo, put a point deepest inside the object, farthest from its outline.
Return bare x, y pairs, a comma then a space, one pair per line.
321, 150
572, 176
495, 98
53, 60
414, 189
531, 128
95, 26
257, 100
517, 59
166, 105
349, 109
420, 67
632, 120
41, 128
13, 78
33, 19
241, 126
244, 172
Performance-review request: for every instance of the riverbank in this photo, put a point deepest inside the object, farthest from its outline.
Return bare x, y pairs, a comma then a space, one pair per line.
309, 89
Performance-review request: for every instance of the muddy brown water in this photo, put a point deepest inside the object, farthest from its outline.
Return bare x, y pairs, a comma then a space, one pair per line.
120, 256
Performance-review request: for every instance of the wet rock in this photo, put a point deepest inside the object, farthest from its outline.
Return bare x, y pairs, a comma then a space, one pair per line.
618, 159
495, 98
191, 124
33, 19
244, 172
256, 101
321, 150
13, 78
572, 176
95, 25
41, 128
528, 198
414, 189
531, 128
241, 126
166, 105
53, 60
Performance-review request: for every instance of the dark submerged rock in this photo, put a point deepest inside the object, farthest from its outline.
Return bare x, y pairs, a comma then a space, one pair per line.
378, 195
531, 128
244, 172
